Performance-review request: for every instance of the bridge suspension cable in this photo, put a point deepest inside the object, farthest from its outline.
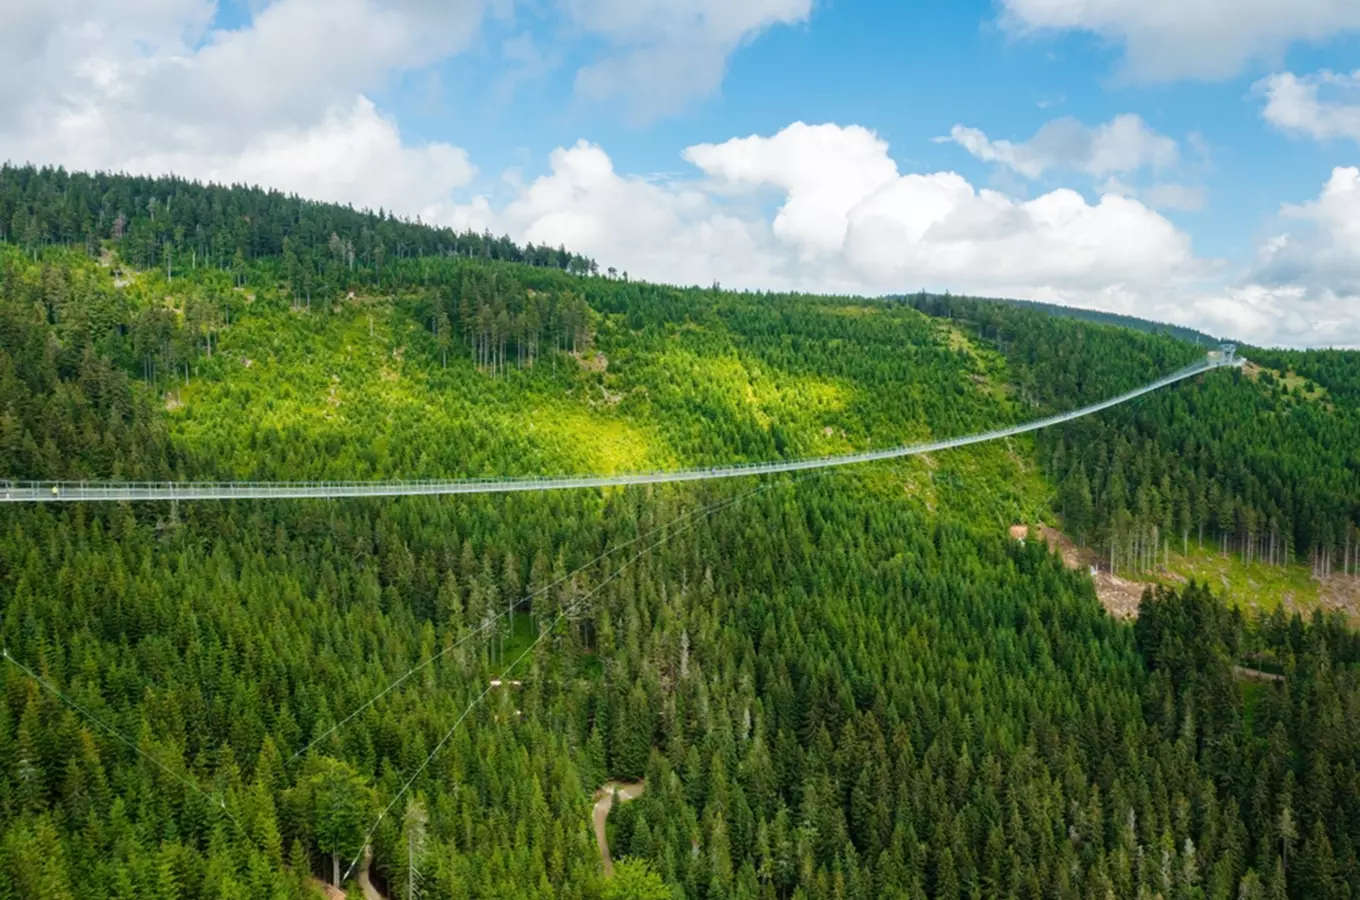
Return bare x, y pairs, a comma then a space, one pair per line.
106, 491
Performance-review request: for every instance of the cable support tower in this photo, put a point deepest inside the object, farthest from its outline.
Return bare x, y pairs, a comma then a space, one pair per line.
492, 621
671, 532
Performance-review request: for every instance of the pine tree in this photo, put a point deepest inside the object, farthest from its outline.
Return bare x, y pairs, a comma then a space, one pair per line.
414, 824
1076, 504
635, 880
1314, 871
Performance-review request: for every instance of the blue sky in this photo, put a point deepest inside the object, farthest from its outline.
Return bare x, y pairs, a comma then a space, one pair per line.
909, 71
1188, 160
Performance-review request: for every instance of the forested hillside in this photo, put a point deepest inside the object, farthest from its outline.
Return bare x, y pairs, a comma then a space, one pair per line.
846, 685
1264, 464
184, 226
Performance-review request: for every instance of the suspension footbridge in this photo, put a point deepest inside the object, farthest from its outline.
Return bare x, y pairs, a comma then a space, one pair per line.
114, 491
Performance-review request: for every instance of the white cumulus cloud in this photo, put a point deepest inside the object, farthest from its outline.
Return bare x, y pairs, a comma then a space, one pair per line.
283, 100
1304, 286
1168, 39
1321, 251
847, 220
1295, 104
823, 171
1124, 144
664, 53
663, 231
152, 86
354, 155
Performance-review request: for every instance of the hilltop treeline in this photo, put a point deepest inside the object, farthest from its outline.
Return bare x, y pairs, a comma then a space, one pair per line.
181, 225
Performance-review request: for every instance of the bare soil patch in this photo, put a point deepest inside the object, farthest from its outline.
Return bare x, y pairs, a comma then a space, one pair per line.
1341, 593
1119, 596
329, 890
592, 361
1256, 674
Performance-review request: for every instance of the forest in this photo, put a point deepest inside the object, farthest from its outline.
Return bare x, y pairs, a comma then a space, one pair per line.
1262, 467
849, 685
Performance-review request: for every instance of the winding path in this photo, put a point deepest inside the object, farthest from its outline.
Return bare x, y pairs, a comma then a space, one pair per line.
365, 883
604, 801
105, 491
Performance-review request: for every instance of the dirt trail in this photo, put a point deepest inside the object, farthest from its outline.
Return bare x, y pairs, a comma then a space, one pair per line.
604, 801
365, 884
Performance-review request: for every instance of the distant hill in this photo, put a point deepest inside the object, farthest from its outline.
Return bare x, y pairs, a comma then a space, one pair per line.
176, 224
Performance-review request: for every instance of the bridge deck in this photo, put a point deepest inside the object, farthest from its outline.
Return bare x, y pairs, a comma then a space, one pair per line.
110, 491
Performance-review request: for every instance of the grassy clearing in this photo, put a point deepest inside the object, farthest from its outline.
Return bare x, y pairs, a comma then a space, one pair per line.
347, 394
1256, 588
988, 367
687, 385
1291, 383
595, 443
508, 646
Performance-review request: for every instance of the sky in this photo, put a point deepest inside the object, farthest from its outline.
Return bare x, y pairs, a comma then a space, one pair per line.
1188, 161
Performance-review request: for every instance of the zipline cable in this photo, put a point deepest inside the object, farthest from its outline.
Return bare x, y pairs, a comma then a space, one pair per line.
500, 615
216, 801
567, 610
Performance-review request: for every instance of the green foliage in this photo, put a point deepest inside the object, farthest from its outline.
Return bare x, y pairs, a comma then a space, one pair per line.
849, 685
331, 806
167, 222
66, 407
1264, 471
635, 880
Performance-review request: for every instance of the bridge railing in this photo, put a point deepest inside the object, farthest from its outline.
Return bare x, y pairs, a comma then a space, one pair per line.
107, 491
